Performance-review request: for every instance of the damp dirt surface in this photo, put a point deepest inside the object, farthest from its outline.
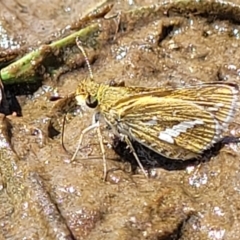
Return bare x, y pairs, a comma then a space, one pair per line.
43, 195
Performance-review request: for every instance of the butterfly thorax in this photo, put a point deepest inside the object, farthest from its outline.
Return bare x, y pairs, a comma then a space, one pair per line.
102, 97
105, 95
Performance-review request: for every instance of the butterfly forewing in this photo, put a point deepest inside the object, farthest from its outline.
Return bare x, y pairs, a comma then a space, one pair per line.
179, 125
219, 99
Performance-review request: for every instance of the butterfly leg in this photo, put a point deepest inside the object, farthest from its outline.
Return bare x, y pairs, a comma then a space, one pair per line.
126, 139
100, 138
95, 125
95, 120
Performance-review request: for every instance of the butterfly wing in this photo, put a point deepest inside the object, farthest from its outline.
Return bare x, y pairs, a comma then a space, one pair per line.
180, 125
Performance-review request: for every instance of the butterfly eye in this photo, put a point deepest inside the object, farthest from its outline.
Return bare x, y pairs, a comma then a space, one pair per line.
91, 101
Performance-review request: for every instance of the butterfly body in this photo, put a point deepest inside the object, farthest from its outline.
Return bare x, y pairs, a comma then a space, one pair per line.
178, 123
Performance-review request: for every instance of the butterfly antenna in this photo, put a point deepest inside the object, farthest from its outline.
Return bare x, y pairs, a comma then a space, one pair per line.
79, 45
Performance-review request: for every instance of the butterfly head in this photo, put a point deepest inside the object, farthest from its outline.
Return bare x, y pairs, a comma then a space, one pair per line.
86, 93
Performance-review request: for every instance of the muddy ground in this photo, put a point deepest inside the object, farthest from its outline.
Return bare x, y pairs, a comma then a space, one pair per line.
43, 195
